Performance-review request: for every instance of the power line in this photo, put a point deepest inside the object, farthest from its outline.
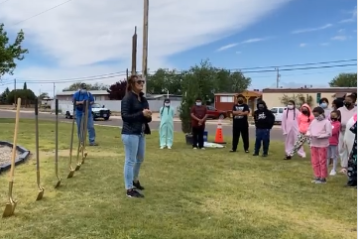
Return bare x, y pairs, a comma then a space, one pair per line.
300, 64
121, 73
40, 13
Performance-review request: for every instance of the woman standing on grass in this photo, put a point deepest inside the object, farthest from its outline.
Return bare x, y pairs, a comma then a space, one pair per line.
289, 127
166, 128
136, 116
304, 120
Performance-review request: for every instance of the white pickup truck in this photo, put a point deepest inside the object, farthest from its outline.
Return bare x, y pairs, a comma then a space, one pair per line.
98, 112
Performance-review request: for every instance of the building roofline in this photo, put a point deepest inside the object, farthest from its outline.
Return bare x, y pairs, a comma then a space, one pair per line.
310, 90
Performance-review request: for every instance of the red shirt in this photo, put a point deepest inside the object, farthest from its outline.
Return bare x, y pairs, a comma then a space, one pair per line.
336, 128
199, 112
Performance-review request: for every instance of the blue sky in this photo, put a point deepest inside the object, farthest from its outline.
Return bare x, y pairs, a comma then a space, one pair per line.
79, 39
329, 36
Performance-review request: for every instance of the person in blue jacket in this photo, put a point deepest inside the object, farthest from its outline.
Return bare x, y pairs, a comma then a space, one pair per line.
79, 98
166, 128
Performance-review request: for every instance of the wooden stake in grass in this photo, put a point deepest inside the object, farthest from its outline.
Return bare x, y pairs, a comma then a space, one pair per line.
71, 169
56, 149
11, 205
38, 178
80, 143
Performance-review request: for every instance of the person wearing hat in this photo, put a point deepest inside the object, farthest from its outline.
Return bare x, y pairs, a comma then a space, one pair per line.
166, 128
79, 98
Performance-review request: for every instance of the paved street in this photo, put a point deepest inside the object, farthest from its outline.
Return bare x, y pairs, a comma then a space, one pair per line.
276, 133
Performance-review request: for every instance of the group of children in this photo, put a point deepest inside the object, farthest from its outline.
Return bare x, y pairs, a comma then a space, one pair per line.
331, 134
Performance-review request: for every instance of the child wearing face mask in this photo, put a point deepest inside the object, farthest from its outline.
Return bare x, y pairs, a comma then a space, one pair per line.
304, 120
166, 127
332, 151
324, 103
319, 131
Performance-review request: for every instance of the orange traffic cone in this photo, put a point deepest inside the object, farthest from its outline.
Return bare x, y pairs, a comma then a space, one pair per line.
219, 139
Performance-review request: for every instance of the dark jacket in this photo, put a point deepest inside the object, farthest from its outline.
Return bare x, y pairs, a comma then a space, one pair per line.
132, 114
264, 119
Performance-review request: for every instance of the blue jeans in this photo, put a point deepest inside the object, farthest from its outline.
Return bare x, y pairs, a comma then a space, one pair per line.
262, 135
90, 127
134, 147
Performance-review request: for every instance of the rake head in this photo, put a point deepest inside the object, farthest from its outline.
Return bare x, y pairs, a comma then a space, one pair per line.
78, 167
58, 184
41, 194
71, 173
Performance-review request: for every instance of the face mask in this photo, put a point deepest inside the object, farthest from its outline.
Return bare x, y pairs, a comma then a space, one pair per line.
290, 107
334, 119
347, 104
240, 101
261, 108
320, 118
83, 90
198, 103
323, 105
167, 104
305, 112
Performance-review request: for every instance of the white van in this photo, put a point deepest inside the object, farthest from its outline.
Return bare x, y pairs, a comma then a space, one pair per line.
278, 113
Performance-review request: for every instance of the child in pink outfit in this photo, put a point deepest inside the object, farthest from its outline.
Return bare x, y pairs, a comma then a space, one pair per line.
332, 151
304, 120
320, 130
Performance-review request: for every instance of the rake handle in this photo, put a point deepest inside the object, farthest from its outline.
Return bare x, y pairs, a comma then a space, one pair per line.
56, 137
72, 133
37, 139
13, 156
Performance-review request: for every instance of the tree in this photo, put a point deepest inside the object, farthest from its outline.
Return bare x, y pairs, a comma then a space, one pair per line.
118, 90
25, 86
239, 82
344, 80
198, 81
27, 96
77, 85
10, 52
299, 99
43, 96
4, 96
163, 81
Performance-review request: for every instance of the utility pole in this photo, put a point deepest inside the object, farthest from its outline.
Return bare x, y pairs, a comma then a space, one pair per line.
54, 91
145, 44
278, 77
134, 53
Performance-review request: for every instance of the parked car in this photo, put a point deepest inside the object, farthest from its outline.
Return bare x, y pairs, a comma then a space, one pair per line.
278, 113
214, 113
98, 112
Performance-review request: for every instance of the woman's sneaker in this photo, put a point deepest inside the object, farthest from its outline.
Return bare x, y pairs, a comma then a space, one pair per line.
321, 181
333, 173
315, 180
137, 185
132, 193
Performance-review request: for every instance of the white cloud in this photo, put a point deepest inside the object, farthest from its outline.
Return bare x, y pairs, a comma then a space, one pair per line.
353, 17
339, 38
312, 29
303, 45
254, 40
238, 52
226, 47
81, 33
341, 30
325, 44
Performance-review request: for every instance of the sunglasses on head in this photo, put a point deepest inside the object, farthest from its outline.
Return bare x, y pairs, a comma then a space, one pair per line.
140, 81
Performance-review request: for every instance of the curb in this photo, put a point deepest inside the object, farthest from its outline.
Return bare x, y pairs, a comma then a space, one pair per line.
20, 158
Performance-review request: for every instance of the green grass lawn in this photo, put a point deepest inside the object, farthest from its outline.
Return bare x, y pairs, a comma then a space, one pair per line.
210, 194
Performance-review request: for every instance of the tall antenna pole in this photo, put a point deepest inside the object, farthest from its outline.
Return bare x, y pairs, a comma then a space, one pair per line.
278, 78
134, 52
145, 44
